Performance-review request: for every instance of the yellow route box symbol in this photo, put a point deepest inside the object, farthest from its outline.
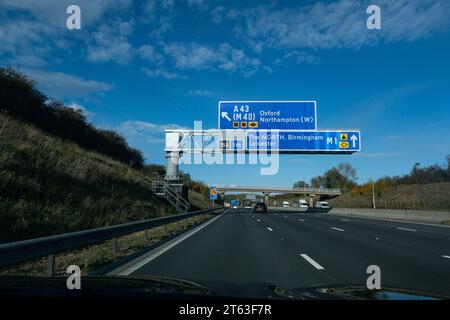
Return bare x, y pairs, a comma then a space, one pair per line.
344, 137
235, 124
344, 145
253, 124
243, 124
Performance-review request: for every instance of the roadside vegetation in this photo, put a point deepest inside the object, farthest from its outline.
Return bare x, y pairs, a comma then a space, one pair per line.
58, 173
426, 188
20, 99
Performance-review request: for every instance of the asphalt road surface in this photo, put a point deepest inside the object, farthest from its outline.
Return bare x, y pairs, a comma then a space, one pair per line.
295, 249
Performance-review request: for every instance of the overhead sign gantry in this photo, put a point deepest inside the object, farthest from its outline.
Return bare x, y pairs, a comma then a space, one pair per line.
285, 127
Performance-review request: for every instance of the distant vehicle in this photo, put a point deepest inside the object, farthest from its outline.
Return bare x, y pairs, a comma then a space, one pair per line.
322, 204
303, 203
286, 204
247, 204
260, 207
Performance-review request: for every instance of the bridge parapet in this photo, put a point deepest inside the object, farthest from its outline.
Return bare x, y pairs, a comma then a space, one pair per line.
315, 191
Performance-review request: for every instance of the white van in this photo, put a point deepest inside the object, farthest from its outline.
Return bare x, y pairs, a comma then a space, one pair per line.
286, 204
322, 204
302, 203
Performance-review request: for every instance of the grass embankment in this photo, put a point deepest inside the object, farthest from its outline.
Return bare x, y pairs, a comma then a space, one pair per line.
50, 186
430, 196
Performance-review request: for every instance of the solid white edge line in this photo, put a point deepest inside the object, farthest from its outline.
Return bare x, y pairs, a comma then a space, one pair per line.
406, 229
389, 220
337, 229
311, 261
155, 253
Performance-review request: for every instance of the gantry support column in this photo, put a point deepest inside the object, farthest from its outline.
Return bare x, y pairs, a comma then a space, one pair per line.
266, 198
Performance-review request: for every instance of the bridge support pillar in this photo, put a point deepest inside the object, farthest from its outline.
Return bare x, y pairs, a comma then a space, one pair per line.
311, 200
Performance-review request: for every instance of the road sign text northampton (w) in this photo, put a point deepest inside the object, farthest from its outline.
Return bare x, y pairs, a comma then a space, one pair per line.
281, 115
213, 193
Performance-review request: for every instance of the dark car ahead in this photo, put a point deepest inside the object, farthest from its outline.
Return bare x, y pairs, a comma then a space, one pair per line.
260, 207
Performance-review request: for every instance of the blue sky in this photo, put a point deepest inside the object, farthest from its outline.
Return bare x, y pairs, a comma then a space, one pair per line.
139, 67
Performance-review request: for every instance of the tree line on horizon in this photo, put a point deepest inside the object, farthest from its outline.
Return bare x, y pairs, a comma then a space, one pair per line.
20, 99
344, 177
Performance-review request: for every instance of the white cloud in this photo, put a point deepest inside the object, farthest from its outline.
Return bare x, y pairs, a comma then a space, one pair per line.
299, 57
38, 28
23, 37
197, 3
201, 93
167, 4
53, 12
339, 24
110, 43
217, 14
149, 53
161, 26
76, 106
151, 132
161, 73
62, 85
204, 57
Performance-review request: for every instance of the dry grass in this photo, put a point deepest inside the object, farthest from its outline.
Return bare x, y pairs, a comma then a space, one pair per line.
51, 186
432, 196
94, 257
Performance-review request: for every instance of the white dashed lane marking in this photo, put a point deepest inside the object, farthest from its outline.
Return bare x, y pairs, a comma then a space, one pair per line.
311, 261
337, 229
270, 229
406, 229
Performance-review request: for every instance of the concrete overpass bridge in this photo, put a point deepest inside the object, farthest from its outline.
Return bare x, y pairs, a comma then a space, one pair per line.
309, 192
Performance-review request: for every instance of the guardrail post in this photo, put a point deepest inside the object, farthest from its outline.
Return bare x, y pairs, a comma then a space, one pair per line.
50, 265
146, 237
114, 245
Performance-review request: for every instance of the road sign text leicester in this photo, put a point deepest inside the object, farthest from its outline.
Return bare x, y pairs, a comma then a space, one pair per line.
336, 141
281, 115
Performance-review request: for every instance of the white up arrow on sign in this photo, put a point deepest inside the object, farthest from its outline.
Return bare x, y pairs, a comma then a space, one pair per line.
225, 115
354, 139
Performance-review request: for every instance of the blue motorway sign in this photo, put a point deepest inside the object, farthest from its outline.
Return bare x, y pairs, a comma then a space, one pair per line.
231, 144
325, 141
213, 193
281, 115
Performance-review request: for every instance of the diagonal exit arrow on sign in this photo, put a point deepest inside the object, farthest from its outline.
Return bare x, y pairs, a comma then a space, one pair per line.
225, 115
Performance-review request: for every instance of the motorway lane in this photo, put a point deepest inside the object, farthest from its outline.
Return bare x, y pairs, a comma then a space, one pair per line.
235, 249
407, 259
302, 249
